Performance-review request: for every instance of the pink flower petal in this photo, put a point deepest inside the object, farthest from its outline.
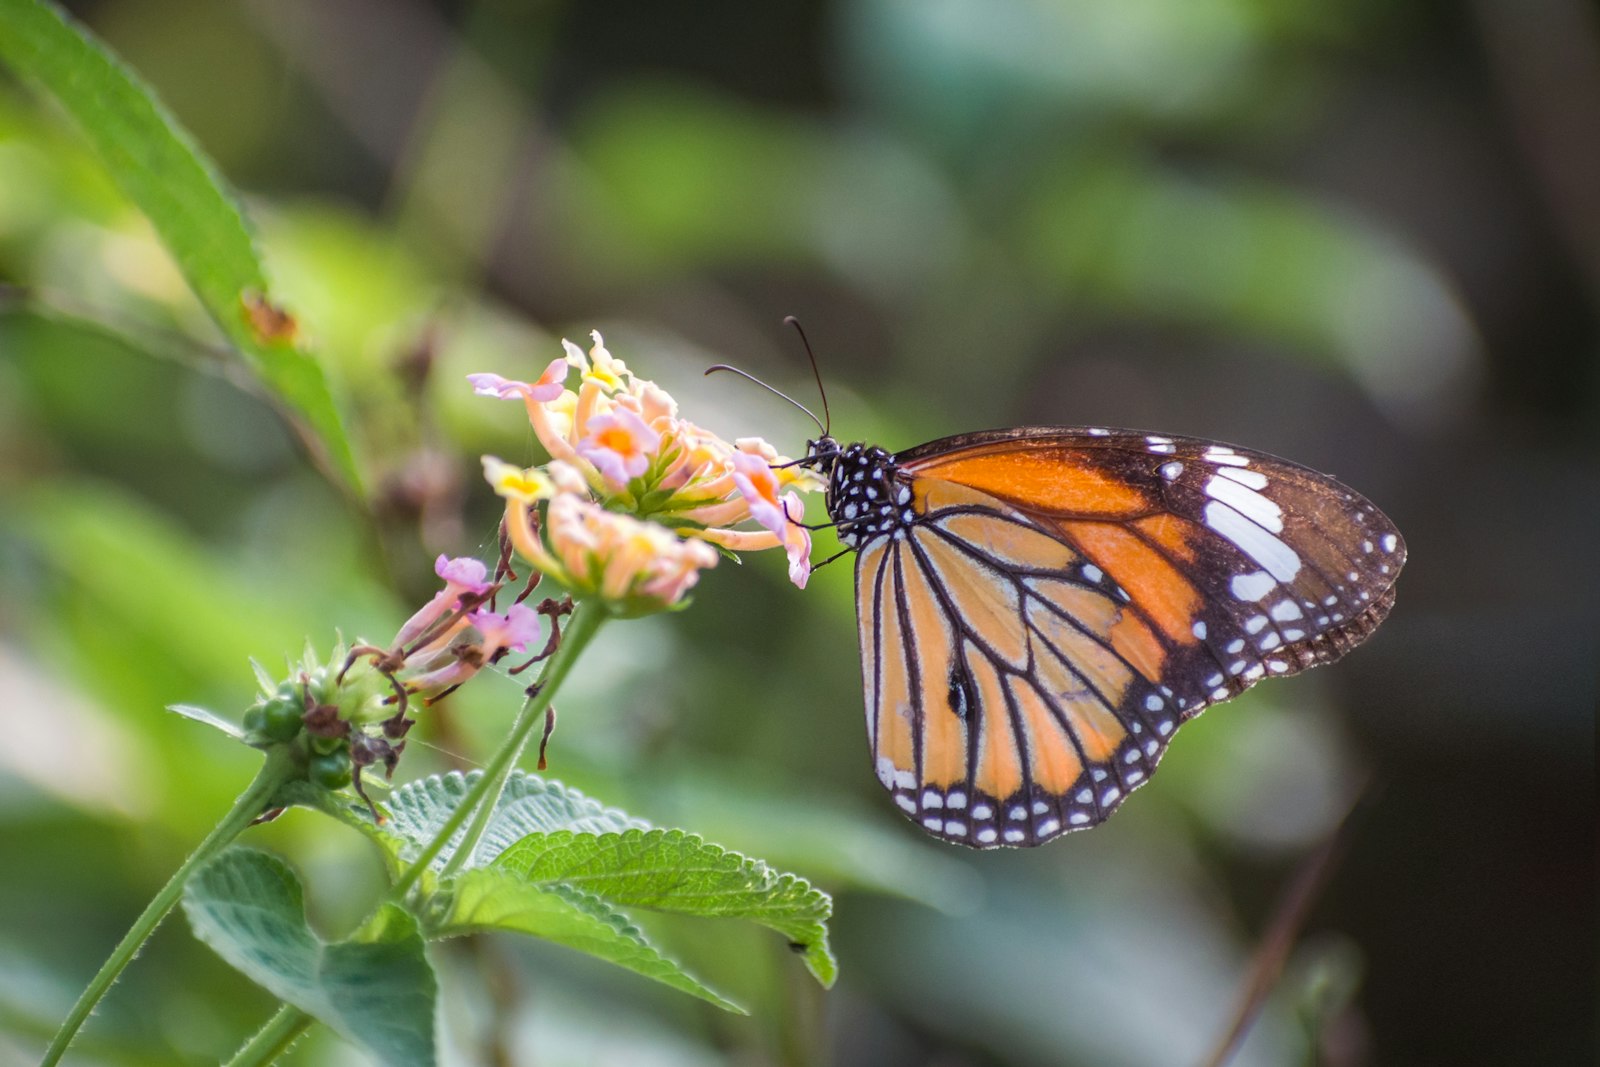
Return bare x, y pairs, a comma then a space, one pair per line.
796, 540
759, 486
493, 385
620, 445
516, 629
464, 573
550, 385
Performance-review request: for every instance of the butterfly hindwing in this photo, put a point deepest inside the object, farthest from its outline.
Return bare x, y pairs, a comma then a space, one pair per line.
1004, 704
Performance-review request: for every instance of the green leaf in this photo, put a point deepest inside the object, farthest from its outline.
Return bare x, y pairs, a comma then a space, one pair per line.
209, 718
198, 218
488, 899
376, 989
837, 840
529, 805
670, 870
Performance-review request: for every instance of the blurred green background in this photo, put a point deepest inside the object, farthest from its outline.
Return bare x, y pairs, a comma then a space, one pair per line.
1362, 235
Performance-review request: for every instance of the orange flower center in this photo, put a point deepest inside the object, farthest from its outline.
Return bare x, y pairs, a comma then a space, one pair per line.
616, 439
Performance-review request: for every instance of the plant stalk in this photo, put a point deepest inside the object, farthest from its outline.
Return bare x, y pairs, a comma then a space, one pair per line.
274, 1037
481, 799
251, 803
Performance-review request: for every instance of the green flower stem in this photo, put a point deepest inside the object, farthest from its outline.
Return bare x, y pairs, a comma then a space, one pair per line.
274, 1037
485, 793
251, 803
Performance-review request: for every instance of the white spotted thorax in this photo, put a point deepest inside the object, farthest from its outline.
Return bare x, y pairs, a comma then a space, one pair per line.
864, 498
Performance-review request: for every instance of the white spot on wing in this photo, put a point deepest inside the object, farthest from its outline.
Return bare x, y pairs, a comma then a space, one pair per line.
1170, 471
1247, 502
1252, 586
886, 771
1277, 558
1224, 454
1286, 610
1250, 479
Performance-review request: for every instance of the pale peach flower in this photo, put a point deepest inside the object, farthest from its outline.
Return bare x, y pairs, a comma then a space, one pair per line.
622, 437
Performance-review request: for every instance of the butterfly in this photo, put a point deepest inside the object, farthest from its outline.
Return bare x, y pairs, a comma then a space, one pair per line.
1040, 609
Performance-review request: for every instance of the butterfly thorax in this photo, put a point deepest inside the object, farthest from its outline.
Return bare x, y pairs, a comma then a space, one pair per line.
865, 498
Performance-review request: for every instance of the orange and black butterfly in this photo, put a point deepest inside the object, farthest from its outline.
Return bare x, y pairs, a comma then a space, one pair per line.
1041, 608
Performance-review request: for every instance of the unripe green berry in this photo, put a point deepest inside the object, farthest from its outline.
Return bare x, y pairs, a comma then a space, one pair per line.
283, 717
255, 719
324, 745
331, 770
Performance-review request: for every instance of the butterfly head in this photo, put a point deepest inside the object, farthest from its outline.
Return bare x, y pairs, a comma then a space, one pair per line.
821, 455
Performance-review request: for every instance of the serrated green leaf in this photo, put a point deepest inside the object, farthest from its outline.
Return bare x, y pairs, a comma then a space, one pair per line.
528, 805
376, 990
674, 871
487, 899
195, 213
835, 839
210, 718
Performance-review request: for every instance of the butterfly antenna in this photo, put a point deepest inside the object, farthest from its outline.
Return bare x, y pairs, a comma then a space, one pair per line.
747, 376
790, 320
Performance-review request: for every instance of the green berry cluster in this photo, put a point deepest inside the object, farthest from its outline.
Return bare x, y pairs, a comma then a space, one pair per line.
295, 714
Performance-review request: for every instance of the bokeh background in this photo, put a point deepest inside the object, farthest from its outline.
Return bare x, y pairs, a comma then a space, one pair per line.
1363, 235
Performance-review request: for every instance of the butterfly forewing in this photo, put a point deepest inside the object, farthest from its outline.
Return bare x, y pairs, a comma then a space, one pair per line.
1054, 603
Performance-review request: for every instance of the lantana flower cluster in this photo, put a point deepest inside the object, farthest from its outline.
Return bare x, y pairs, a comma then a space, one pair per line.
636, 500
